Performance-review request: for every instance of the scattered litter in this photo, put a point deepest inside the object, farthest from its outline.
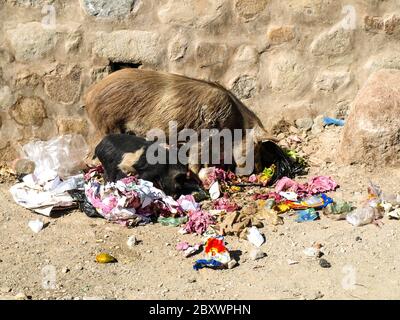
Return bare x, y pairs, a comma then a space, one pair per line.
105, 258
255, 237
188, 203
362, 216
236, 223
314, 186
36, 225
337, 122
292, 196
268, 213
256, 254
188, 250
131, 242
62, 156
371, 210
324, 263
292, 262
315, 202
225, 204
306, 215
46, 196
199, 221
171, 221
214, 191
200, 195
338, 209
84, 205
129, 201
217, 254
395, 214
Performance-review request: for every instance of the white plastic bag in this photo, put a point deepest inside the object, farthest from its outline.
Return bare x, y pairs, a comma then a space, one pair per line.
63, 155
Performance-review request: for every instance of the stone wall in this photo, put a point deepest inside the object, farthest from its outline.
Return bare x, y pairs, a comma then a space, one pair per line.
286, 59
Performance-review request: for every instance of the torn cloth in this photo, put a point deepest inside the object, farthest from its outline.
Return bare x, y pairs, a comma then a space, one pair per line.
315, 185
199, 221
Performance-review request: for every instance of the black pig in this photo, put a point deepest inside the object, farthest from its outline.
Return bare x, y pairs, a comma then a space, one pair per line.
123, 154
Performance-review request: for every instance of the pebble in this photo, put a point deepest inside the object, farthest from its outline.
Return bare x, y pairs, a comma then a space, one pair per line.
256, 254
65, 270
21, 296
5, 289
231, 264
193, 280
312, 252
132, 241
292, 262
358, 239
324, 264
36, 225
304, 123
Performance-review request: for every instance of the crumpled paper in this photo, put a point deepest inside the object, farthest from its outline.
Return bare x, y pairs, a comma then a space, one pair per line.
45, 193
128, 201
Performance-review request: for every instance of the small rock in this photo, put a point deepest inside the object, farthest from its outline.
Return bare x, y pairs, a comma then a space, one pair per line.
324, 263
292, 262
231, 264
193, 280
318, 125
256, 254
36, 225
304, 123
65, 270
358, 238
312, 252
132, 241
23, 167
5, 289
293, 129
21, 296
78, 267
280, 136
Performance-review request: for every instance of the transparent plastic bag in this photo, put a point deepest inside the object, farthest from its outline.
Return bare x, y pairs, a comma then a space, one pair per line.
63, 156
362, 216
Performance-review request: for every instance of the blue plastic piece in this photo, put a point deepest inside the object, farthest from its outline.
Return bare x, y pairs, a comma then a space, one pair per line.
306, 215
337, 122
204, 263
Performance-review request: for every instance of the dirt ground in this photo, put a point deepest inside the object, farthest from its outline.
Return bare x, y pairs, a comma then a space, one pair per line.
364, 261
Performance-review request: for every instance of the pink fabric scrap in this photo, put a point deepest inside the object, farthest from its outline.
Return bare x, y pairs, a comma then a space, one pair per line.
315, 185
199, 221
271, 195
225, 204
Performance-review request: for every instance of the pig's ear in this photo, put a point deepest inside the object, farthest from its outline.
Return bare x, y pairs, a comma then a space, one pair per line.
129, 160
260, 135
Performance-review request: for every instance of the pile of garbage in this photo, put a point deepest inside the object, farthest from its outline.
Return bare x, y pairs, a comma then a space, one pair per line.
59, 180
